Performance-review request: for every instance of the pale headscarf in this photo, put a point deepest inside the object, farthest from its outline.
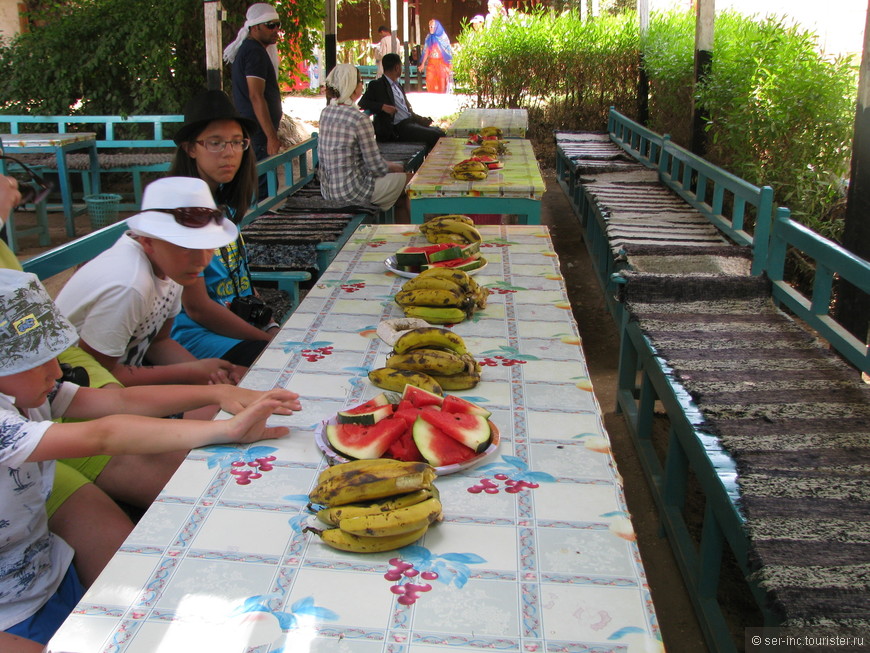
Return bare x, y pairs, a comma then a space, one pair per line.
262, 12
343, 80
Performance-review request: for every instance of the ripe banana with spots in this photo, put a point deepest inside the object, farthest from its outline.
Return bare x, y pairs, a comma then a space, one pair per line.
339, 539
456, 228
357, 486
428, 281
461, 381
332, 516
428, 361
394, 522
366, 466
451, 228
388, 378
490, 131
469, 170
429, 336
434, 315
439, 297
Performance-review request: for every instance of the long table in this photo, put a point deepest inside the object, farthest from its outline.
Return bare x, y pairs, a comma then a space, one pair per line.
220, 561
513, 122
515, 189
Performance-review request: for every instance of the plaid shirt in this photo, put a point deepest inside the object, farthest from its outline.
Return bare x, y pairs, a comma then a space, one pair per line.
349, 156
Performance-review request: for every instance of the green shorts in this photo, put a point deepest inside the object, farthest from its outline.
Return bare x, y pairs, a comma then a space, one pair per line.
72, 473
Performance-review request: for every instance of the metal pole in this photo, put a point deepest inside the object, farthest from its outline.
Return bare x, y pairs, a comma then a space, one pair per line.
642, 79
704, 22
213, 13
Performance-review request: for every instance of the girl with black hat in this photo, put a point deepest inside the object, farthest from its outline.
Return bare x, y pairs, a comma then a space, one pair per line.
214, 145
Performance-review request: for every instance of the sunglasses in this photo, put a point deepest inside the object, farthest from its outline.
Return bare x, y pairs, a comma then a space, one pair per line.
272, 24
194, 217
30, 193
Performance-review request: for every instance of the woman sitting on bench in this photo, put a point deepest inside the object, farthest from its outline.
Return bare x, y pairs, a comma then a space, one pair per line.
221, 316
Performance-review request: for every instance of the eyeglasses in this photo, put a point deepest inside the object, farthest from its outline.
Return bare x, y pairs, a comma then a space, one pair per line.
31, 194
194, 217
272, 24
219, 146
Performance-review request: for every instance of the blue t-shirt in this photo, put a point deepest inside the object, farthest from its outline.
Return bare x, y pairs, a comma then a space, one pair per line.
226, 277
252, 60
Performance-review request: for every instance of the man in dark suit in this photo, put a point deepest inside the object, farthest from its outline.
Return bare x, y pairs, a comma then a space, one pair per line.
394, 120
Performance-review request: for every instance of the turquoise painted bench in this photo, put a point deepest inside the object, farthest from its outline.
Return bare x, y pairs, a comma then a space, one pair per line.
369, 73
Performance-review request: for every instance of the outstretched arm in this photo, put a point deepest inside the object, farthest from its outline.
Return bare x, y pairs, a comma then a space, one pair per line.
123, 434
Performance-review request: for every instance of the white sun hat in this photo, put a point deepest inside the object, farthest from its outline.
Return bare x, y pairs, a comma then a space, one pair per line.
178, 227
32, 329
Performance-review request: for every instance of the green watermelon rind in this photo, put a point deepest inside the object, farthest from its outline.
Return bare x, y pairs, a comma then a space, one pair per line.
425, 434
477, 439
367, 413
378, 441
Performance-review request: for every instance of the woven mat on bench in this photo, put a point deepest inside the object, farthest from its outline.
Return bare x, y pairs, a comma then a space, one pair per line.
591, 153
107, 161
795, 419
308, 199
639, 210
289, 242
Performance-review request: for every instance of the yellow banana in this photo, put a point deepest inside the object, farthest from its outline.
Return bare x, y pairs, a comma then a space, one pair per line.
490, 131
469, 165
460, 277
432, 282
367, 466
429, 361
434, 315
396, 380
360, 488
431, 297
429, 337
339, 539
468, 175
467, 231
471, 365
431, 222
462, 381
436, 238
332, 515
394, 522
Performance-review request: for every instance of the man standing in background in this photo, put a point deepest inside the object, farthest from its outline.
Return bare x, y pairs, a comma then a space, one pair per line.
388, 44
255, 76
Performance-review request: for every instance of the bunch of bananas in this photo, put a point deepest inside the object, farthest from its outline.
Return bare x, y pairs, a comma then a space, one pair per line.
469, 170
431, 358
441, 296
453, 228
490, 132
369, 506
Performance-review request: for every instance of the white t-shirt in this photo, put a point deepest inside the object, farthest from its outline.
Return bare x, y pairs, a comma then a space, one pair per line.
33, 561
116, 302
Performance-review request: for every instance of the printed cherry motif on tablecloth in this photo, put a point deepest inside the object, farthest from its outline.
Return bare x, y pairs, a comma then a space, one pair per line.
376, 243
514, 473
314, 355
353, 287
246, 465
415, 568
505, 356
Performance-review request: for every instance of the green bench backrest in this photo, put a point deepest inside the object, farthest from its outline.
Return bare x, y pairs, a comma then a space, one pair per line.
112, 131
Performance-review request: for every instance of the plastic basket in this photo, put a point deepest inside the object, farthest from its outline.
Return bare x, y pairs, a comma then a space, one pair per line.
103, 209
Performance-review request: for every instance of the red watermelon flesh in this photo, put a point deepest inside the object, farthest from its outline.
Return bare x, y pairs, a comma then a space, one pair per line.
407, 411
370, 412
454, 404
421, 398
467, 264
404, 448
365, 441
437, 448
471, 430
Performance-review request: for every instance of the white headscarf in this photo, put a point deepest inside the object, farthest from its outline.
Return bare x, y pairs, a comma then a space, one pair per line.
343, 80
262, 12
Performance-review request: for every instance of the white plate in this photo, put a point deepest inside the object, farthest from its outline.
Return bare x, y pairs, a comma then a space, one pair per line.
390, 263
334, 457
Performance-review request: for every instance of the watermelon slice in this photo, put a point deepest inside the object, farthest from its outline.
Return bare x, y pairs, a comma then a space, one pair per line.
404, 448
454, 404
407, 411
362, 441
371, 412
438, 448
469, 263
421, 398
471, 430
417, 256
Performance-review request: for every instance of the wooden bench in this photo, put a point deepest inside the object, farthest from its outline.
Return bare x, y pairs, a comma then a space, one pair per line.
125, 144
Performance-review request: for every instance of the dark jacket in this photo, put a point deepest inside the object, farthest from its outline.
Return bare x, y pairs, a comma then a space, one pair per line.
378, 93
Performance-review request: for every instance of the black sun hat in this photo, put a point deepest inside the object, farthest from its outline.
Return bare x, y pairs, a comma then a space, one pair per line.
205, 107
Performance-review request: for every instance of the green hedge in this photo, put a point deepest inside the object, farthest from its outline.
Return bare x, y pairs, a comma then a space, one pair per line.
780, 113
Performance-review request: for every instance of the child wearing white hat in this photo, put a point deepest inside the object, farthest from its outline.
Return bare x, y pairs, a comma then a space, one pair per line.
123, 302
38, 585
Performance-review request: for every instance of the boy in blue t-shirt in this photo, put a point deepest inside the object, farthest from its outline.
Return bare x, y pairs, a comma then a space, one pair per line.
38, 585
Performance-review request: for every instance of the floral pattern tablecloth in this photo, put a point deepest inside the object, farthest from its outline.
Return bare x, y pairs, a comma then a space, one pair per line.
520, 177
48, 140
513, 122
536, 551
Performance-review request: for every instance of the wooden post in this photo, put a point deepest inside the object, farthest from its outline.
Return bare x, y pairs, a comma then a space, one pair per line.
704, 22
330, 41
853, 306
406, 50
642, 79
214, 14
